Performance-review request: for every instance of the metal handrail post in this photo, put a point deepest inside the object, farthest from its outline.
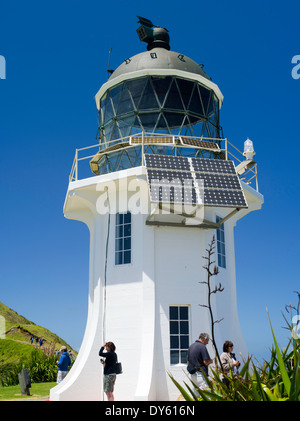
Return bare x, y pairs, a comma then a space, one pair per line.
76, 165
143, 156
256, 178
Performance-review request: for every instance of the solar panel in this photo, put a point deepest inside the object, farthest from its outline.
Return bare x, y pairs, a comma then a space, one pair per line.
169, 177
197, 143
229, 198
152, 140
213, 166
193, 180
219, 181
167, 162
174, 195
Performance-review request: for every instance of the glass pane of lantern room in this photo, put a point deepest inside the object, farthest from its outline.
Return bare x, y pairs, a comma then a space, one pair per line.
161, 125
185, 88
174, 120
115, 134
124, 161
161, 86
198, 128
148, 100
205, 132
115, 94
136, 127
107, 132
125, 125
210, 109
126, 104
212, 130
149, 120
173, 100
109, 113
102, 109
135, 156
136, 87
205, 96
195, 105
216, 102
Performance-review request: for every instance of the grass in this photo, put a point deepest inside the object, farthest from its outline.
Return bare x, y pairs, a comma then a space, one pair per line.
37, 391
12, 351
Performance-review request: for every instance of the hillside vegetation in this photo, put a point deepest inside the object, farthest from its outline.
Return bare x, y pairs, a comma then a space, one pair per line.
19, 349
17, 335
13, 352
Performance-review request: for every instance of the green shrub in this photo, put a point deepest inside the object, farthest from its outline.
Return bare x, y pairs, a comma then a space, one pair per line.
42, 368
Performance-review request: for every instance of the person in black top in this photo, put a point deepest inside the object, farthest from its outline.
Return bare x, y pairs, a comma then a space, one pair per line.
199, 357
109, 374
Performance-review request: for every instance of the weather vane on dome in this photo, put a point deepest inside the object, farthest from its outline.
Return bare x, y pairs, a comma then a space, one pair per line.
155, 36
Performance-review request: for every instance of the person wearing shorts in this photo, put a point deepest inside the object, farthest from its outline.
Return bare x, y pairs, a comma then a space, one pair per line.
109, 374
199, 357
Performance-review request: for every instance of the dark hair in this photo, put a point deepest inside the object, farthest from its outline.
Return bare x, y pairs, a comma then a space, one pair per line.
226, 345
111, 346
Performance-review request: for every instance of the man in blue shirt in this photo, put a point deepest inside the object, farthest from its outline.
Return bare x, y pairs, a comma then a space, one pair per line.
199, 357
63, 364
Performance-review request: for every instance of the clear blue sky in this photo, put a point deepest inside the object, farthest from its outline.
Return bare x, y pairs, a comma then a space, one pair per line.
56, 54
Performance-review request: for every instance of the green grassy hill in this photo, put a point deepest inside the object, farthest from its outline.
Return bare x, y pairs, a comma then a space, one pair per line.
12, 351
17, 335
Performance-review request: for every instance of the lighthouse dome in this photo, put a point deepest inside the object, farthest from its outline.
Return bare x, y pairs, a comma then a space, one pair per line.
158, 59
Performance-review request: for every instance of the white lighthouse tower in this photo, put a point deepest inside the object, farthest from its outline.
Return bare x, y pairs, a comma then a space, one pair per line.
164, 183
